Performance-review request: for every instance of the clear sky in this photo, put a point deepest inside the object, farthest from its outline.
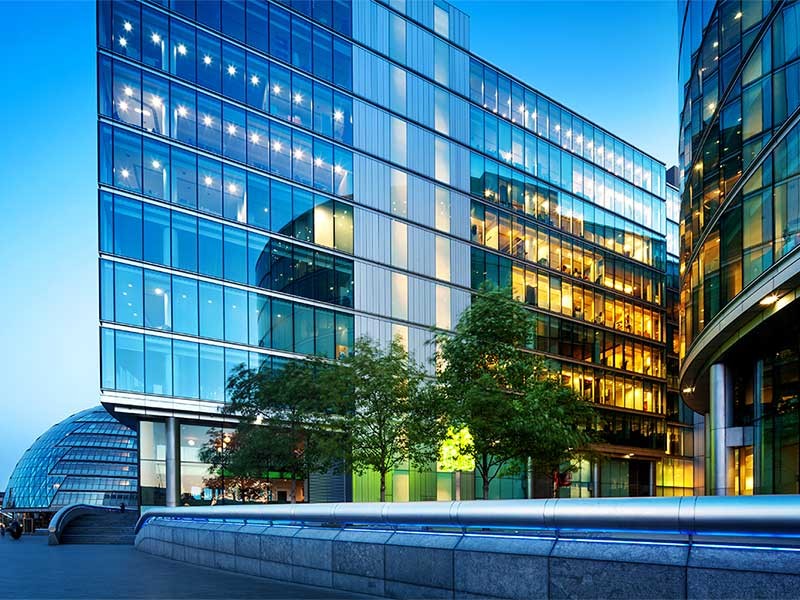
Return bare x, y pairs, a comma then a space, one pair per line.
613, 62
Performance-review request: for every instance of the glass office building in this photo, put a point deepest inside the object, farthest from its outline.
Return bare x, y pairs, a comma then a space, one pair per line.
88, 458
739, 237
277, 179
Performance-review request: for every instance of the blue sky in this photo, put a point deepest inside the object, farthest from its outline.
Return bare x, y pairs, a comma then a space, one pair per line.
613, 62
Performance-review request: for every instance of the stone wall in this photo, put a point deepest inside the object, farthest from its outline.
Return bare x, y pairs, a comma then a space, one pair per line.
406, 564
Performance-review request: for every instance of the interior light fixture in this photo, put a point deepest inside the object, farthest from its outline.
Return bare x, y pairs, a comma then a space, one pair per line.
156, 164
318, 162
255, 138
123, 42
231, 70
298, 154
298, 98
156, 38
276, 89
128, 90
277, 146
231, 129
232, 188
255, 80
769, 300
156, 101
338, 116
123, 106
182, 49
207, 60
128, 27
207, 121
208, 180
125, 173
338, 169
182, 112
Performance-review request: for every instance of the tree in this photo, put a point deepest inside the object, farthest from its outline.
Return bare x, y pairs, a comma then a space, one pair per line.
452, 457
514, 408
482, 367
390, 416
286, 421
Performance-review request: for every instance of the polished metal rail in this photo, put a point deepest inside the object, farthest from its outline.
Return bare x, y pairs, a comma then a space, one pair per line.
69, 513
744, 516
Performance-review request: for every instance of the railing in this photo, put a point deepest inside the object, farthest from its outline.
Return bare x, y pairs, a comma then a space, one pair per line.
731, 516
68, 513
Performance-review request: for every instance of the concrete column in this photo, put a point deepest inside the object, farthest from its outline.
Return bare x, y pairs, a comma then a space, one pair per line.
720, 392
596, 479
652, 490
173, 462
758, 426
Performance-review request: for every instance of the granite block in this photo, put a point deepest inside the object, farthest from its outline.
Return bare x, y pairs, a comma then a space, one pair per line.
500, 575
248, 566
580, 578
361, 585
420, 559
724, 584
309, 576
398, 589
276, 570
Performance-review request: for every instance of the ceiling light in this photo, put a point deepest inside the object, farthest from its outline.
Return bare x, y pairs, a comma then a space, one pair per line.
207, 121
338, 116
128, 90
231, 70
231, 129
255, 138
298, 98
123, 106
255, 80
232, 189
125, 173
738, 15
276, 89
208, 180
156, 101
298, 154
318, 162
123, 42
182, 112
277, 146
338, 169
207, 59
156, 164
769, 300
127, 26
181, 49
158, 291
156, 38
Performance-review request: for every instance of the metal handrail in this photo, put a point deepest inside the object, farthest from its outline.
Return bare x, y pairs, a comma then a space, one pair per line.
686, 516
67, 514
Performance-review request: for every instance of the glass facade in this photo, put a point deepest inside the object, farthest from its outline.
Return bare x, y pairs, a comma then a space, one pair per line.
739, 157
278, 178
88, 458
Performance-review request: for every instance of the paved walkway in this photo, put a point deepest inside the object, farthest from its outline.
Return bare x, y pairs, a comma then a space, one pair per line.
29, 568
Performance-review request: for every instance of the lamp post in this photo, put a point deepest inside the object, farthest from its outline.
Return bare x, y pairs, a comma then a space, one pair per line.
221, 444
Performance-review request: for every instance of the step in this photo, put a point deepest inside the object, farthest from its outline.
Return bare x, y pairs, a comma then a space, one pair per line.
97, 539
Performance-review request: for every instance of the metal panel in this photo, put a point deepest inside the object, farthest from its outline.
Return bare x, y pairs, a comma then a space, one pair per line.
421, 147
460, 263
419, 49
372, 236
420, 201
420, 346
459, 71
459, 27
371, 25
422, 301
421, 11
377, 330
371, 76
459, 302
459, 215
459, 167
371, 183
371, 129
419, 100
421, 251
459, 119
373, 289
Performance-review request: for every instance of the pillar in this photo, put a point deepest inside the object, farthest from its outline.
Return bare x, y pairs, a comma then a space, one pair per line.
652, 488
173, 462
720, 396
596, 479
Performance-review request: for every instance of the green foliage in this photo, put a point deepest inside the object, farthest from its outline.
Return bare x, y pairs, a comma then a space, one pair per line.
452, 455
503, 393
389, 415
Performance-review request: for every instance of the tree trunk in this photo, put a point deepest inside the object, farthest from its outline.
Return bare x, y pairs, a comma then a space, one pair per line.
383, 487
555, 483
293, 490
485, 476
458, 485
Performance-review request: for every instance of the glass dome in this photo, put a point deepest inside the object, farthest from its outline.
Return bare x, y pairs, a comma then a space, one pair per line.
88, 458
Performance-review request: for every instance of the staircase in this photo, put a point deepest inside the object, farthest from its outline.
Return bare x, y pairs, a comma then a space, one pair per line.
101, 528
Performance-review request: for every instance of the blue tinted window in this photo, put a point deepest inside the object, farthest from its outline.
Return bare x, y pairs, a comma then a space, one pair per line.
129, 359
302, 158
209, 123
158, 365
259, 321
344, 335
155, 39
257, 82
157, 300
127, 94
185, 365
323, 166
323, 109
183, 52
186, 305
303, 329
301, 44
235, 255
127, 160
211, 323
184, 178
257, 34
184, 242
280, 92
258, 142
233, 360
106, 290
303, 215
344, 282
209, 185
280, 155
184, 114
282, 266
342, 63
301, 101
279, 33
106, 222
323, 55
127, 227
107, 358
324, 333
235, 315
257, 201
342, 118
210, 248
156, 235
282, 330
128, 295
258, 260
343, 172
342, 17
302, 272
324, 280
233, 72
233, 19
323, 11
212, 373
126, 30
155, 167
209, 61
208, 13
104, 85
234, 188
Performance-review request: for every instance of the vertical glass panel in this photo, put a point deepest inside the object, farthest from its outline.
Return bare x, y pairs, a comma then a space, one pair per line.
303, 215
342, 63
323, 54
323, 109
324, 333
209, 192
107, 351
184, 242
233, 360
128, 295
257, 32
234, 205
282, 328
281, 207
127, 161
279, 34
323, 166
260, 320
233, 72
257, 142
343, 227
209, 60
211, 311
209, 123
106, 290
184, 178
235, 254
301, 44
129, 359
343, 172
258, 201
258, 260
158, 365
127, 227
344, 335
185, 365
323, 221
157, 300
400, 296
235, 315
156, 235
185, 303
302, 169
303, 329
280, 90
280, 156
212, 373
210, 248
184, 114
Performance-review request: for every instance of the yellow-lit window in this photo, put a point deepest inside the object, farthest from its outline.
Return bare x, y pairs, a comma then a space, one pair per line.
442, 307
442, 258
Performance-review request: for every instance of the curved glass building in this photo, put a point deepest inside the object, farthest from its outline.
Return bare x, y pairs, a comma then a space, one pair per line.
740, 228
87, 458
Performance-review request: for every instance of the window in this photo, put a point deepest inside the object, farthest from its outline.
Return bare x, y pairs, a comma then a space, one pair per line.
279, 34
301, 44
398, 148
235, 316
210, 248
443, 307
157, 300
184, 242
442, 164
127, 227
441, 62
442, 111
128, 295
303, 215
258, 201
303, 329
235, 254
324, 333
441, 19
184, 178
185, 367
282, 328
209, 61
234, 206
397, 93
158, 365
399, 245
209, 193
343, 227
212, 373
259, 320
399, 296
211, 311
442, 210
399, 193
397, 38
323, 221
156, 235
323, 55
442, 258
129, 360
185, 301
